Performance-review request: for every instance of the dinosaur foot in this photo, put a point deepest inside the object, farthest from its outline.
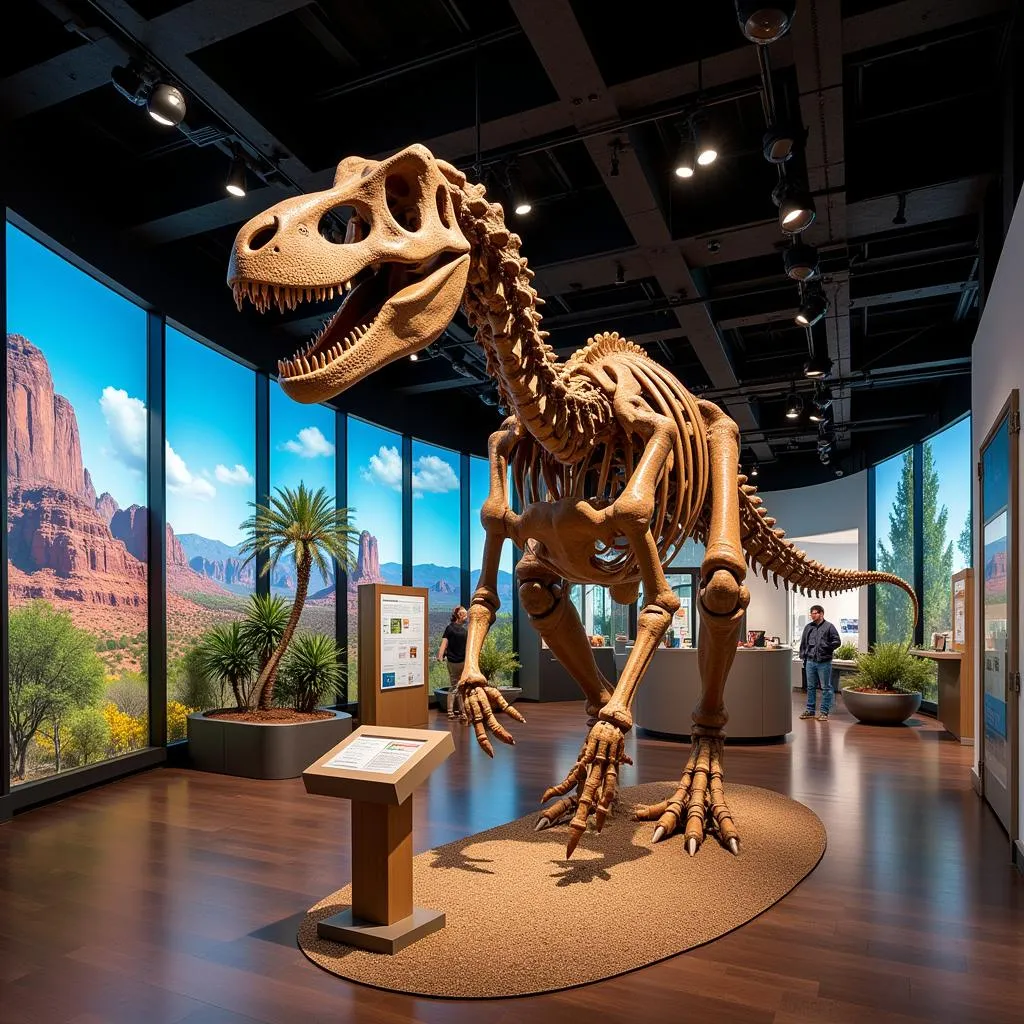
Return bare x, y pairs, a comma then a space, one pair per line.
698, 803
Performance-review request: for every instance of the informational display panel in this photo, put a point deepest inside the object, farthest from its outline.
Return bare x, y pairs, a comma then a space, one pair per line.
403, 625
393, 655
383, 754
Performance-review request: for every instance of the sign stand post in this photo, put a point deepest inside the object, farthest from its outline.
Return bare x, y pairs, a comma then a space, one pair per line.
378, 768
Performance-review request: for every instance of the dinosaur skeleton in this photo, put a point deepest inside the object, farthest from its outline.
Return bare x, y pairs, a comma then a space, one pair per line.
615, 462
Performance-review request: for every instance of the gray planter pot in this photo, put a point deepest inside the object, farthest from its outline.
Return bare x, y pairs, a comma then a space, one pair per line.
881, 708
254, 750
510, 693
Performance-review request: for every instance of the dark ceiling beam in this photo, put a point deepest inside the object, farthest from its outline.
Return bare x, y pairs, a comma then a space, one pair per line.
84, 68
893, 22
562, 49
890, 298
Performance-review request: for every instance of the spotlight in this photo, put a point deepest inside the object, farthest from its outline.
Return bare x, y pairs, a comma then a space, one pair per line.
818, 366
166, 104
687, 160
812, 309
414, 357
764, 22
754, 470
901, 209
620, 274
707, 149
794, 406
796, 207
816, 415
778, 143
801, 262
520, 201
235, 184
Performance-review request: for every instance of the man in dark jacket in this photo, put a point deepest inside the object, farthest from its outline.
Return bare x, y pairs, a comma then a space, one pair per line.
819, 640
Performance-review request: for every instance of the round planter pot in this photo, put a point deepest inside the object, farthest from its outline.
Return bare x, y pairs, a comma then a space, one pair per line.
257, 750
881, 708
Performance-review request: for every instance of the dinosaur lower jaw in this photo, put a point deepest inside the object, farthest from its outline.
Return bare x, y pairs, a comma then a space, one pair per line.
365, 332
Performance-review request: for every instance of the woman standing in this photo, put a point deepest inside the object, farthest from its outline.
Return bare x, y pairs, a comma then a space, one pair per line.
453, 651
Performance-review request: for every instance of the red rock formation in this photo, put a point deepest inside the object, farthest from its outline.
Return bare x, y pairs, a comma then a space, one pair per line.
129, 525
176, 557
106, 505
43, 446
368, 565
229, 571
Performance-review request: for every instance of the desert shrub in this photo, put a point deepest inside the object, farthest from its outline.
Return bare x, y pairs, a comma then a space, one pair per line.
177, 720
310, 672
88, 736
497, 664
127, 733
890, 666
130, 694
845, 652
191, 685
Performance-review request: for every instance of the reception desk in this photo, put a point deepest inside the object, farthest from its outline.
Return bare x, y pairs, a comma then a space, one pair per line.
758, 693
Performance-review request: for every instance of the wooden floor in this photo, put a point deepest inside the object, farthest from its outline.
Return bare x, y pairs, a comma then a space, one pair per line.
175, 896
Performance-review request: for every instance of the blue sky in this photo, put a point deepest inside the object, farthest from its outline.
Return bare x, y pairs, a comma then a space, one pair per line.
95, 344
301, 443
211, 440
436, 519
375, 485
951, 449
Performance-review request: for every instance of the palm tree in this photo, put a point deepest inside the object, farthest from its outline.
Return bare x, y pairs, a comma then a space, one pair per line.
228, 658
264, 625
309, 527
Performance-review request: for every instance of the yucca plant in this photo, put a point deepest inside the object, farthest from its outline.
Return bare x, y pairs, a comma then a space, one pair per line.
890, 666
494, 662
310, 672
264, 625
226, 657
305, 525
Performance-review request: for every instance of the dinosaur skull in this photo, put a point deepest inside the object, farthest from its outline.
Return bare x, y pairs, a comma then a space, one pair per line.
401, 267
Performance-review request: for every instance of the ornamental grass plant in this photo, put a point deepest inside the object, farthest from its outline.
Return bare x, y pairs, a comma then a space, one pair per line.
889, 668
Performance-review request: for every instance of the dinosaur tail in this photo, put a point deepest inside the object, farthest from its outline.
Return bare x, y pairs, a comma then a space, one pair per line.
767, 552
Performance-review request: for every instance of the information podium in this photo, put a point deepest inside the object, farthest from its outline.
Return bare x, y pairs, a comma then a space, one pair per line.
378, 768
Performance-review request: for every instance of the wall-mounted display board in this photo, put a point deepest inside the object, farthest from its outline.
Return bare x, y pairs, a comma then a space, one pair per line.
379, 768
393, 655
956, 695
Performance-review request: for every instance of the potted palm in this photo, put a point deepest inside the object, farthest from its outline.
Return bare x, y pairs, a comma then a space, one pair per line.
887, 686
257, 739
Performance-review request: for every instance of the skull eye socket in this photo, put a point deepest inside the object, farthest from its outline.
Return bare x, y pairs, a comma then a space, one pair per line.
341, 225
404, 197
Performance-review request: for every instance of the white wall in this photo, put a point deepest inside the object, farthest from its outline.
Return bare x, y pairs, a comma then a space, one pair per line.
997, 366
828, 507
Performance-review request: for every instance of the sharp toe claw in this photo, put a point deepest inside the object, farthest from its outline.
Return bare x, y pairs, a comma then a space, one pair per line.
734, 846
659, 833
691, 846
542, 823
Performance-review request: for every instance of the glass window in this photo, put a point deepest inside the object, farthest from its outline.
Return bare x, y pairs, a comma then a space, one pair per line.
375, 500
77, 519
210, 479
946, 498
894, 545
302, 451
436, 541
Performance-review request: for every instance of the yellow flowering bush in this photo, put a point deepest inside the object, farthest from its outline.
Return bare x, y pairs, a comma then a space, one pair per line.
177, 720
127, 732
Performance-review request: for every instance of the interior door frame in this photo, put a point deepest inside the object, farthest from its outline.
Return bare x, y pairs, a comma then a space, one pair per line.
1010, 413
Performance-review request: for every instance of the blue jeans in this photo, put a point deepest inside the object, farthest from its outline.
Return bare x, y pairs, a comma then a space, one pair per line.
819, 673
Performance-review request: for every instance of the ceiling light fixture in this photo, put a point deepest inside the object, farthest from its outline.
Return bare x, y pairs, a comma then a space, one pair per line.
687, 160
812, 309
235, 183
819, 365
166, 104
141, 85
796, 207
778, 143
707, 149
414, 357
764, 22
794, 405
754, 470
521, 204
801, 262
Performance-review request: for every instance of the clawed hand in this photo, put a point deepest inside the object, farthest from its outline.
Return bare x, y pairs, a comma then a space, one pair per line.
479, 700
596, 775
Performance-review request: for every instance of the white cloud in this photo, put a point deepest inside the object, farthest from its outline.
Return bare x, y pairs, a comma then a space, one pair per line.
432, 475
126, 425
311, 443
384, 468
237, 476
181, 481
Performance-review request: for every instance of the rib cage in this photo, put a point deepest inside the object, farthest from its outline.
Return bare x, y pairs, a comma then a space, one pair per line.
606, 465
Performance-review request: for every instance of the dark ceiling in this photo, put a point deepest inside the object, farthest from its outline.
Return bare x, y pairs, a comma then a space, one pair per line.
897, 99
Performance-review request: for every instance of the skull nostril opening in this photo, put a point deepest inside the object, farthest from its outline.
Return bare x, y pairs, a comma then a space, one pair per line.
262, 236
